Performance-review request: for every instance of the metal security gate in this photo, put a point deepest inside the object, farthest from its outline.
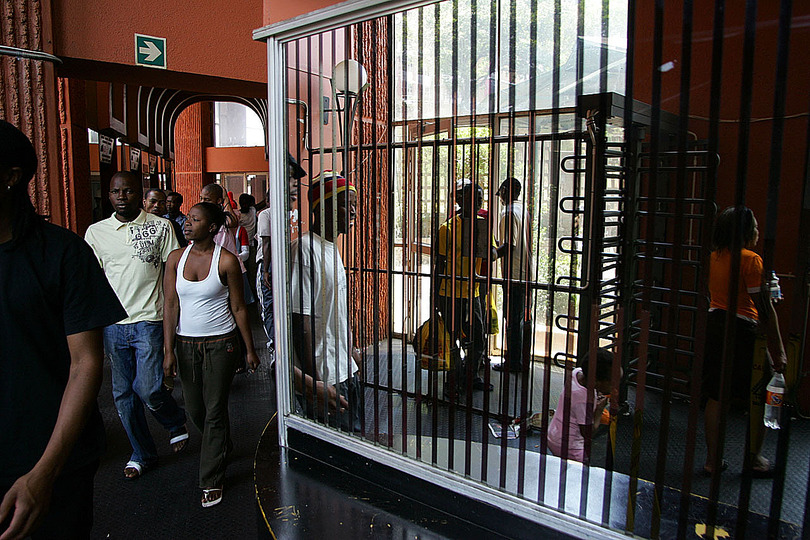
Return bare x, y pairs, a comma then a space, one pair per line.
621, 175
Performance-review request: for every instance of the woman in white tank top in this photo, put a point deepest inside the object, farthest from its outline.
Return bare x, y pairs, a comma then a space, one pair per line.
204, 314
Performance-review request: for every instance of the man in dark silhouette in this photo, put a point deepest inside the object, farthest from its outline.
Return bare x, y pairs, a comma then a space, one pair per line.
54, 303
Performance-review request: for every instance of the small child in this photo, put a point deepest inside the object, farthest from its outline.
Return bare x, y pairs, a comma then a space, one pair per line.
580, 417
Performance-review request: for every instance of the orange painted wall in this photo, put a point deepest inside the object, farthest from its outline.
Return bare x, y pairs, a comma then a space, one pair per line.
758, 151
281, 10
204, 37
235, 160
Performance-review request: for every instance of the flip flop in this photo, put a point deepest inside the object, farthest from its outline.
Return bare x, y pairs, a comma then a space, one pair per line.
763, 469
179, 442
707, 473
211, 497
133, 466
770, 472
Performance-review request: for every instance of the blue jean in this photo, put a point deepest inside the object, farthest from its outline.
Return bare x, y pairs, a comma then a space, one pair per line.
136, 355
266, 304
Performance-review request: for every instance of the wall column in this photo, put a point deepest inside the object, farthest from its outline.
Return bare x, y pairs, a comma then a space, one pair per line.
74, 155
192, 134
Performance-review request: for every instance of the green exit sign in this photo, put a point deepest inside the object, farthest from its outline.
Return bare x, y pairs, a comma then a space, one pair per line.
150, 51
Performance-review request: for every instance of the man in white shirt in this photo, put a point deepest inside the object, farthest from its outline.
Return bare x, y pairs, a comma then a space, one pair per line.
517, 265
132, 247
322, 338
264, 271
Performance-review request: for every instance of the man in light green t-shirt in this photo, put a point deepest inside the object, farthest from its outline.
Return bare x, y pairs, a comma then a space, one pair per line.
132, 247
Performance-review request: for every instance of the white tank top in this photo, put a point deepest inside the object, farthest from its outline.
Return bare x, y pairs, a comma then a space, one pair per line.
204, 307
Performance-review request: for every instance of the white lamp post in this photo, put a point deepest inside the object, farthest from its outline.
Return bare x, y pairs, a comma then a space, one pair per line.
349, 79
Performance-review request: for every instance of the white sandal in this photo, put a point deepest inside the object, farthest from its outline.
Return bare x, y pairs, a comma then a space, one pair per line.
133, 465
207, 502
179, 439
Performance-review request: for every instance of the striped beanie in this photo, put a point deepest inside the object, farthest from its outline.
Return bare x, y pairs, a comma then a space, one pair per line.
332, 182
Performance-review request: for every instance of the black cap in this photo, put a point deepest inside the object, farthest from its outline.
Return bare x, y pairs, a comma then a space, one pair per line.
297, 171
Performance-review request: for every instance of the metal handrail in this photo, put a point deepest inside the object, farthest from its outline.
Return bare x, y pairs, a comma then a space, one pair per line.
27, 53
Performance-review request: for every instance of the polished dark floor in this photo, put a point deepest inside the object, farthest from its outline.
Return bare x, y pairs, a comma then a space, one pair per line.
165, 502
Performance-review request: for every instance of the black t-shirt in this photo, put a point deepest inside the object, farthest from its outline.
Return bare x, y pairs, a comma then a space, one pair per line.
178, 232
51, 286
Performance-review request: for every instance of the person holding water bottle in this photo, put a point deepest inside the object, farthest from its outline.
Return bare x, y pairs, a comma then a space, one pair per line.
754, 311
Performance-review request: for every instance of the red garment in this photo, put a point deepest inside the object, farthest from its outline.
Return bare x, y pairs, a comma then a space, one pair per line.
242, 236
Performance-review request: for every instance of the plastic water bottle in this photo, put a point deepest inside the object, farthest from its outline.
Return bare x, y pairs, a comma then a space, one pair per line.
775, 393
776, 290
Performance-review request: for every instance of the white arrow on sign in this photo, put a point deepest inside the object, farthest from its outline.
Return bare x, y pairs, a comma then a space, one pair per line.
151, 51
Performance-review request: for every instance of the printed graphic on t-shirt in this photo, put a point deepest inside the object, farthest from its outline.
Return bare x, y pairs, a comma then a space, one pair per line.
145, 240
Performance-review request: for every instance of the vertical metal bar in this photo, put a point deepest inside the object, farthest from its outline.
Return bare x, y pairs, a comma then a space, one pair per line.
453, 246
452, 170
338, 141
375, 234
293, 206
503, 412
354, 280
711, 188
526, 376
492, 90
653, 196
475, 156
588, 254
775, 171
295, 47
615, 378
377, 363
306, 219
742, 179
435, 221
675, 298
405, 224
368, 183
603, 83
474, 180
321, 216
389, 186
590, 377
638, 418
418, 130
633, 183
701, 318
275, 123
554, 180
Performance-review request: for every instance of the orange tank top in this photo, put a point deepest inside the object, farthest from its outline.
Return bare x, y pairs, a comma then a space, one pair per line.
750, 281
